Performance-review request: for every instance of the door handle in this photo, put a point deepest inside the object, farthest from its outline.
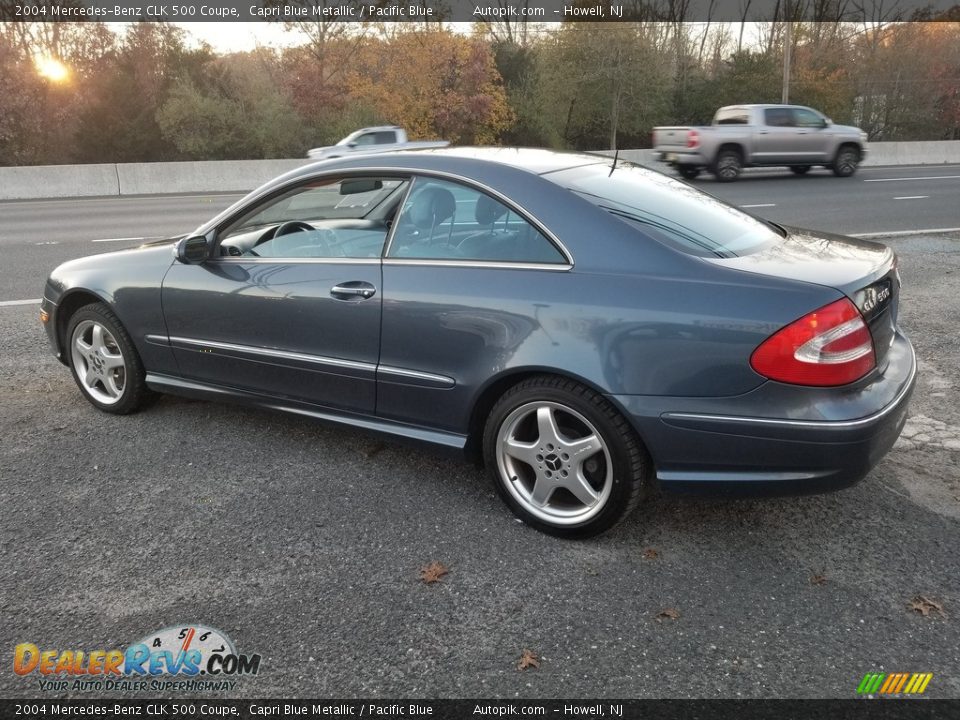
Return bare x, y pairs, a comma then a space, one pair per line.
354, 288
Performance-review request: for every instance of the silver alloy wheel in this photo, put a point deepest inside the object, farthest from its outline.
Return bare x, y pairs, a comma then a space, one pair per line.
98, 362
554, 463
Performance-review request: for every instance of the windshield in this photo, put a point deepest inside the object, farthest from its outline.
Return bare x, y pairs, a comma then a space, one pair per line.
676, 213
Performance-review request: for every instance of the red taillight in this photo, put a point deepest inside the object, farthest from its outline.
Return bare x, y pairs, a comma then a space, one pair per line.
830, 346
693, 138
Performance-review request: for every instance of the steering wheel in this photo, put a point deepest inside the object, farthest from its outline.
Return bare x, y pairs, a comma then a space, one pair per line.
291, 226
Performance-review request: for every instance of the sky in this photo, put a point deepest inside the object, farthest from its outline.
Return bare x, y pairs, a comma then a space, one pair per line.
239, 36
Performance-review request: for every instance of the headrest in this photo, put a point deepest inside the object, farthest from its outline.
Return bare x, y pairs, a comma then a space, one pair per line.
488, 210
431, 207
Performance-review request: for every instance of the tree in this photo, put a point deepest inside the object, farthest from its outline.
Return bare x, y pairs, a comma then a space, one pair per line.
239, 110
434, 83
604, 82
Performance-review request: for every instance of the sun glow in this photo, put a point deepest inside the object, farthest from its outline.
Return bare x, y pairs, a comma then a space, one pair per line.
52, 69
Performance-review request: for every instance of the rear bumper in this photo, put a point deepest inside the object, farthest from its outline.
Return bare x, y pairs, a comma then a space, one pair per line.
812, 447
681, 157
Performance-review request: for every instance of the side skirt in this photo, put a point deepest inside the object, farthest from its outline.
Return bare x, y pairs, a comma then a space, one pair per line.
452, 443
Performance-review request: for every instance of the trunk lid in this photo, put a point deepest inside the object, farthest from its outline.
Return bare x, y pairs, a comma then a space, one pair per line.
866, 272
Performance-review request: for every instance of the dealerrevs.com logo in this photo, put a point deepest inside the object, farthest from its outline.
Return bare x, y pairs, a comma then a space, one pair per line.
187, 658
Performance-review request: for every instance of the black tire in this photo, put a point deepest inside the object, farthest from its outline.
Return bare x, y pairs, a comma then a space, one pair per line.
727, 166
846, 162
688, 172
612, 476
799, 169
111, 391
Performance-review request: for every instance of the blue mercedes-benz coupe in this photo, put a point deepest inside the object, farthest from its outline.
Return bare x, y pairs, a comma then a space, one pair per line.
584, 327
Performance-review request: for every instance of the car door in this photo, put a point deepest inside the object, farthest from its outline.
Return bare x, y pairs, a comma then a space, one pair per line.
813, 136
775, 141
464, 279
289, 304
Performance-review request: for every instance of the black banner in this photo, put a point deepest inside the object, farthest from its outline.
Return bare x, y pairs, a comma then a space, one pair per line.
514, 11
865, 709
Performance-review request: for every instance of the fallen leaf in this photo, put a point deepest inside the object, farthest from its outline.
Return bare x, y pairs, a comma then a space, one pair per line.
925, 606
433, 572
650, 554
528, 659
818, 579
668, 614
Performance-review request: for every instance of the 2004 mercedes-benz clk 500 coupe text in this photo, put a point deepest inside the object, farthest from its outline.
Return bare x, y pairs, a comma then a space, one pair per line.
585, 327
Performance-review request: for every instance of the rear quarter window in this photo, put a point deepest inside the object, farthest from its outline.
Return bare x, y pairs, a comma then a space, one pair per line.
671, 211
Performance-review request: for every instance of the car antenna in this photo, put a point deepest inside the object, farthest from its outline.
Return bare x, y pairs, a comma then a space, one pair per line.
616, 154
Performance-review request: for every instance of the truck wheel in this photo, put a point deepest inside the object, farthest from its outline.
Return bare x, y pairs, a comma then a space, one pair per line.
688, 171
845, 164
727, 166
800, 169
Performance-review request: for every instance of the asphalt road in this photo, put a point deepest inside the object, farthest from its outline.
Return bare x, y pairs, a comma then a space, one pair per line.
874, 201
304, 543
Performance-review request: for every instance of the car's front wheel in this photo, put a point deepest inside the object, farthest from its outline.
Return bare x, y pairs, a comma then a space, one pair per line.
563, 458
846, 162
104, 362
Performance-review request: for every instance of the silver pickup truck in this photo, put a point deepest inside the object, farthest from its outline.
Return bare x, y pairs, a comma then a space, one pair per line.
371, 140
761, 135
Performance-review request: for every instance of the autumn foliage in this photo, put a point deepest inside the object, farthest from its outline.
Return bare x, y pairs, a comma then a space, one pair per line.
152, 93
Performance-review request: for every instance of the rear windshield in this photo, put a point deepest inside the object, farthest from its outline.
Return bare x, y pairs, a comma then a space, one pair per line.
674, 213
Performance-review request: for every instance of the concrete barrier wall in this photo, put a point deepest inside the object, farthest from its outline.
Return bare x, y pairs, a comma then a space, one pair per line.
53, 181
198, 177
62, 181
935, 152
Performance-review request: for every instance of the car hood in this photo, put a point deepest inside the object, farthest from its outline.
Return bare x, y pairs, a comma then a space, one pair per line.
841, 262
847, 129
161, 241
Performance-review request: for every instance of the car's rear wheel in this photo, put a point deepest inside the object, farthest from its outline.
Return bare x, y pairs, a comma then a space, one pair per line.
800, 169
104, 362
688, 172
727, 166
563, 458
846, 162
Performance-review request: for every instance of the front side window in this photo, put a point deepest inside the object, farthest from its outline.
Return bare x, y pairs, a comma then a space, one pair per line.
807, 118
444, 220
321, 218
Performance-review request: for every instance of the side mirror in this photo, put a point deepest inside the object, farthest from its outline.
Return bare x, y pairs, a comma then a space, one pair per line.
352, 144
827, 122
192, 250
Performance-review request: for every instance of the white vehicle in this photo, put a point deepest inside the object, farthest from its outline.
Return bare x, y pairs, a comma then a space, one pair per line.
373, 140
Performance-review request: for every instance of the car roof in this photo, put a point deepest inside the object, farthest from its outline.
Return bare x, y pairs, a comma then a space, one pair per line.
533, 160
765, 106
